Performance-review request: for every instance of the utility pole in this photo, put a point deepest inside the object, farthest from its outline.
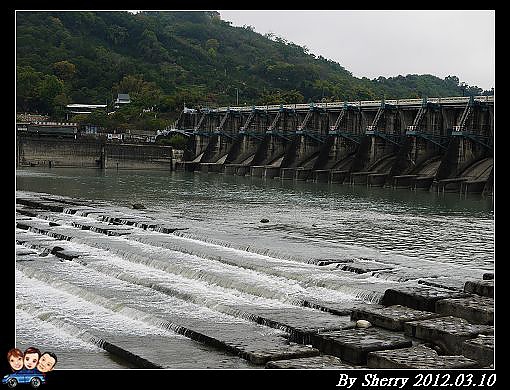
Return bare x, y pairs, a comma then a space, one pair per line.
237, 96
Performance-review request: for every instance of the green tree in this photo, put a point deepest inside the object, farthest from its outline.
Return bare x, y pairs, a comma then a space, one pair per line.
177, 141
150, 47
212, 45
142, 93
279, 97
64, 70
363, 93
48, 89
27, 96
59, 105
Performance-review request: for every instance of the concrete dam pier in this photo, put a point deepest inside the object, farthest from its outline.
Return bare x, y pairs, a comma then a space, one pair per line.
438, 144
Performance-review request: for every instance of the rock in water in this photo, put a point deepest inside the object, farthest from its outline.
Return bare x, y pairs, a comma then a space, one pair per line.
138, 206
363, 324
264, 220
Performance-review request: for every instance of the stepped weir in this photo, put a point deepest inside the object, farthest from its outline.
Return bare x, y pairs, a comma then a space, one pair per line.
152, 291
438, 144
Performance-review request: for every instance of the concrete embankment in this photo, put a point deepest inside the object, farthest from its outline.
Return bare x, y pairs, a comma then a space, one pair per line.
267, 311
84, 153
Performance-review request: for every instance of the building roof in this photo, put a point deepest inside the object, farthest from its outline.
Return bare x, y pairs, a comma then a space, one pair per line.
81, 107
123, 96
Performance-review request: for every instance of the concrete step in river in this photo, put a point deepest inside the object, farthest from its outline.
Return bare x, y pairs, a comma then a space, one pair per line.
81, 333
237, 301
439, 340
297, 320
255, 343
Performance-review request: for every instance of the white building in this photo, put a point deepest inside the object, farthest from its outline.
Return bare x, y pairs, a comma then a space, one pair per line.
122, 98
78, 108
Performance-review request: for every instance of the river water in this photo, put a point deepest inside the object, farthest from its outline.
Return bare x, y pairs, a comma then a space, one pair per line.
229, 259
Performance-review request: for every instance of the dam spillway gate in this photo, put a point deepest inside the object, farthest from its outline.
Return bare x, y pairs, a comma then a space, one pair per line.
439, 144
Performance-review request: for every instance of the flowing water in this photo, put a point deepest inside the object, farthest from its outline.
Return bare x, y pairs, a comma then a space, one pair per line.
224, 274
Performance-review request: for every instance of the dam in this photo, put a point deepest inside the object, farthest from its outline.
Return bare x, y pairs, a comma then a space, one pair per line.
437, 144
230, 270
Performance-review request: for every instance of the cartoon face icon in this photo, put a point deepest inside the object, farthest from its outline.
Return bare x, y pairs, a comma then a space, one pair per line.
47, 362
31, 357
15, 358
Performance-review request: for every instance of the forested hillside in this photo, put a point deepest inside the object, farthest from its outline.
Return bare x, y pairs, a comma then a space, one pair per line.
166, 59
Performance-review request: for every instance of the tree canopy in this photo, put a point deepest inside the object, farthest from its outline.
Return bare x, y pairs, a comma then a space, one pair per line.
167, 59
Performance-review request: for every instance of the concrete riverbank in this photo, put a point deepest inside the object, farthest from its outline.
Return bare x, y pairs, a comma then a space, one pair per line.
91, 153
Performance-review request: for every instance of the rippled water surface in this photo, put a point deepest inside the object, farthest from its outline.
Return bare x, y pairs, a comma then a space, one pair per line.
225, 275
304, 218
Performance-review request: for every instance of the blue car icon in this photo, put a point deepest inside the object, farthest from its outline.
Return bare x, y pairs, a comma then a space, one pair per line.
34, 377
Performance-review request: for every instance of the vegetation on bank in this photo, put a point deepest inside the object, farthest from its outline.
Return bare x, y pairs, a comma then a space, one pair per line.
176, 141
166, 60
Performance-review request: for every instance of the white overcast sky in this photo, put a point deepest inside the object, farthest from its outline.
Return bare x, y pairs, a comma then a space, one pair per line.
388, 43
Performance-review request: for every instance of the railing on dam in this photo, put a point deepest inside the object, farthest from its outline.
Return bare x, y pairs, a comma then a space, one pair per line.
357, 103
